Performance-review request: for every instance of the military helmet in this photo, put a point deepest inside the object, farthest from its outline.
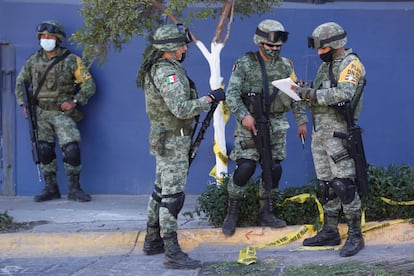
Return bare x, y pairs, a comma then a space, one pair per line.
51, 27
170, 37
329, 34
270, 32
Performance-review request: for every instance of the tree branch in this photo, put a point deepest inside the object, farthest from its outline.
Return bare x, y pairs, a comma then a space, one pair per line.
228, 6
159, 6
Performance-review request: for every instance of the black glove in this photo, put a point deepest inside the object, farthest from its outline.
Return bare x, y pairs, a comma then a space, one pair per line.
217, 95
306, 93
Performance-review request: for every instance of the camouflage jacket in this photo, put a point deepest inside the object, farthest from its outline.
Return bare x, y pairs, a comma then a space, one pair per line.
171, 99
247, 77
349, 73
61, 81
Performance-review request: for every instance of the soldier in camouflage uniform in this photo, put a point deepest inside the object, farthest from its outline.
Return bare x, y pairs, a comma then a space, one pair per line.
56, 111
340, 77
247, 78
172, 103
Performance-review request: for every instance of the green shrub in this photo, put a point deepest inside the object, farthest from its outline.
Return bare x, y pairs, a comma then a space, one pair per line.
394, 182
5, 221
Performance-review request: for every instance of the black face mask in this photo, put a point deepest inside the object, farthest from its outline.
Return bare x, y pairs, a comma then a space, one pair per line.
182, 57
327, 57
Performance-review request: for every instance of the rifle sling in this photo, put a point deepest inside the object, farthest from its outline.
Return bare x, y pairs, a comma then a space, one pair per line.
265, 84
42, 80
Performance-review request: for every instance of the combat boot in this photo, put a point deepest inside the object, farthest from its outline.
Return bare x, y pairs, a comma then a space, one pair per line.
355, 242
230, 222
267, 217
75, 192
153, 243
175, 258
329, 235
51, 190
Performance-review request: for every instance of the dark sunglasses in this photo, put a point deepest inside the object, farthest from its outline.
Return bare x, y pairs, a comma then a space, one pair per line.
49, 28
316, 43
273, 36
272, 46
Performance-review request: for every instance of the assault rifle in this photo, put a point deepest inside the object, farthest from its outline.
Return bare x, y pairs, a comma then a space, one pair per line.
262, 139
32, 120
354, 147
200, 135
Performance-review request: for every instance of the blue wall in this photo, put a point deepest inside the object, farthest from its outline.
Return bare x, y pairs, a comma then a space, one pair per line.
115, 151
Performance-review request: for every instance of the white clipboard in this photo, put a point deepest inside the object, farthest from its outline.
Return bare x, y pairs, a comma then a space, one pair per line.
285, 85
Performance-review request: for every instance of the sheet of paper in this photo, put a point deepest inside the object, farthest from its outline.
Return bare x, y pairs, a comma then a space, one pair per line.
285, 85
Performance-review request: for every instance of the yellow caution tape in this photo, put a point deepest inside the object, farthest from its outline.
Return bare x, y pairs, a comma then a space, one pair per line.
382, 225
301, 198
221, 117
392, 202
247, 255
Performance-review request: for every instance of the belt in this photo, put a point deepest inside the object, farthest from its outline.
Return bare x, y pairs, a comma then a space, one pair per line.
49, 106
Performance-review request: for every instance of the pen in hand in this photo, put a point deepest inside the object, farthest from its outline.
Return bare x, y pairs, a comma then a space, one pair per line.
303, 141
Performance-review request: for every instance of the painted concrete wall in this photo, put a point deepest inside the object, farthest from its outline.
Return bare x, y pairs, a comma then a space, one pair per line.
115, 151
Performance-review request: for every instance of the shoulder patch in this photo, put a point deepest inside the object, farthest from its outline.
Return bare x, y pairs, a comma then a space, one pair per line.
172, 78
352, 73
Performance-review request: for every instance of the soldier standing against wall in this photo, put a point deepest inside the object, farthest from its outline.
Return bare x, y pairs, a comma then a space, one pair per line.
340, 77
250, 78
54, 100
172, 103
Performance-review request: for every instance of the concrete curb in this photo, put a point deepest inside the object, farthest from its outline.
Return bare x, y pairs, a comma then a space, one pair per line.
41, 244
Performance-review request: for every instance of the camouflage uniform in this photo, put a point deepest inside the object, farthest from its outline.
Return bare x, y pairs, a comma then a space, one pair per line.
172, 104
58, 87
246, 78
336, 181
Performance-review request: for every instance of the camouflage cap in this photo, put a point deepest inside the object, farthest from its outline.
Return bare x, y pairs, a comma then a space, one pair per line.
271, 32
51, 27
329, 34
169, 37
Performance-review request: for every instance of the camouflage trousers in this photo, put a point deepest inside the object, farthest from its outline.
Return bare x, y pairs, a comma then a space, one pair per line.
170, 178
54, 125
324, 145
333, 207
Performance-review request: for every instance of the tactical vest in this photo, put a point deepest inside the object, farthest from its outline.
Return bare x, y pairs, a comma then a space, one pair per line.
161, 117
356, 101
254, 83
59, 84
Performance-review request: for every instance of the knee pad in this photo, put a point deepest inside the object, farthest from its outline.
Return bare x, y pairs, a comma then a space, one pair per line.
174, 207
323, 191
71, 154
46, 152
244, 170
345, 189
276, 174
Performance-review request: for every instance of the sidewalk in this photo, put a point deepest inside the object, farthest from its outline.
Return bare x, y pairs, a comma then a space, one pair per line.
115, 225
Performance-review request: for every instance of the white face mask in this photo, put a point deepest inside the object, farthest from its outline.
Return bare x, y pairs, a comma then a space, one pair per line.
48, 44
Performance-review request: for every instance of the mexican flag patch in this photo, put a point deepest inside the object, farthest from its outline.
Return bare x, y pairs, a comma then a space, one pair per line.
172, 79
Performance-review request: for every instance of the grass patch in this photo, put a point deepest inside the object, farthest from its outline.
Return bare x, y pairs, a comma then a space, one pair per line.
349, 269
